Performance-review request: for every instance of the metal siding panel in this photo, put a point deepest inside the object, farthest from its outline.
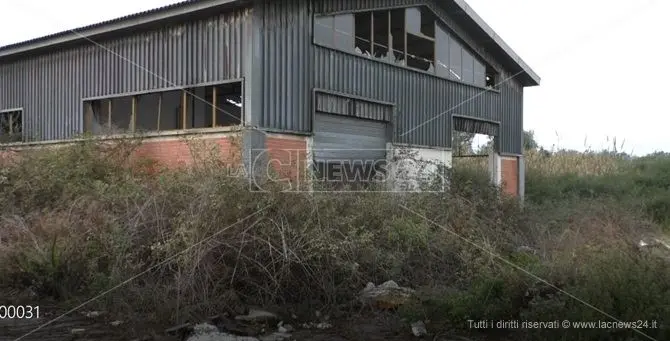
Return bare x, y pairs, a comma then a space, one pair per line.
424, 103
51, 86
287, 73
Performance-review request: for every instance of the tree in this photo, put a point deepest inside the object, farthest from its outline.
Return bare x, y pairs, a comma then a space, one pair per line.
529, 142
462, 143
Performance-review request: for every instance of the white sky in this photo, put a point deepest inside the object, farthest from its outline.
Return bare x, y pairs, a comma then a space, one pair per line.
602, 62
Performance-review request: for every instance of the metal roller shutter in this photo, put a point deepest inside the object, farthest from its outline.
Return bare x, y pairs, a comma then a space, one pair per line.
340, 139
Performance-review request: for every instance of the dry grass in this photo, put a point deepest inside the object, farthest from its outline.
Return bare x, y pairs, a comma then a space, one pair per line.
75, 222
576, 163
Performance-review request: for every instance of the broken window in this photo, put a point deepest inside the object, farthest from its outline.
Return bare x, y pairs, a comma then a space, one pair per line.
456, 62
420, 38
11, 126
228, 108
96, 117
121, 112
420, 52
380, 38
363, 31
397, 35
491, 77
199, 107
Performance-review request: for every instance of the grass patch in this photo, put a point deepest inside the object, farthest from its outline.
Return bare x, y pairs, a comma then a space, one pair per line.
82, 219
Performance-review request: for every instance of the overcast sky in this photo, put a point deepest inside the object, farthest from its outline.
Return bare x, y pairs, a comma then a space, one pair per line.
602, 62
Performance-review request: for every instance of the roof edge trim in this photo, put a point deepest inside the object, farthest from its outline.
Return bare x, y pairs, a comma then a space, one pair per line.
498, 40
147, 17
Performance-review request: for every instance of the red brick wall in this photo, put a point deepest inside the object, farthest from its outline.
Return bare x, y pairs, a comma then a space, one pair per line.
287, 156
177, 152
168, 152
510, 175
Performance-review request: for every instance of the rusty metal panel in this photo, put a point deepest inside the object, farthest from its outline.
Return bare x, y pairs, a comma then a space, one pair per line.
50, 86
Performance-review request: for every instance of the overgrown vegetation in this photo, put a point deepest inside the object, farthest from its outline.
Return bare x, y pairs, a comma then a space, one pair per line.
83, 219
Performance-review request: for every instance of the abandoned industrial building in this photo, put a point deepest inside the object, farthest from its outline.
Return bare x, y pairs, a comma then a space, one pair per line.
325, 79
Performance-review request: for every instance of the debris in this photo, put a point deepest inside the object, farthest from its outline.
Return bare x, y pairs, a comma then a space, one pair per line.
208, 332
419, 329
257, 316
387, 295
285, 328
275, 337
77, 331
116, 323
93, 314
324, 325
180, 330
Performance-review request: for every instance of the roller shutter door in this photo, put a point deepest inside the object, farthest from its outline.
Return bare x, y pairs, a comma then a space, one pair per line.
341, 139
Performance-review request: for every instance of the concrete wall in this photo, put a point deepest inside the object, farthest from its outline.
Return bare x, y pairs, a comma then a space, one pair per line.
408, 167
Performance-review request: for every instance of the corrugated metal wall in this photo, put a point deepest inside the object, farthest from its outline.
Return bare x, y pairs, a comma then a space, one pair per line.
50, 87
287, 64
420, 98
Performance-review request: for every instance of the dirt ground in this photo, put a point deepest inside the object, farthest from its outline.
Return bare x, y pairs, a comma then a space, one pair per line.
78, 326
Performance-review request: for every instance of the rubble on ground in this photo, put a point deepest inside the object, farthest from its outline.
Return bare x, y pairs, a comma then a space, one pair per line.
387, 295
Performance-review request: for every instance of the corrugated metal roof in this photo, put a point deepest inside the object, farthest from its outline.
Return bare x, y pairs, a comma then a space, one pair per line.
99, 24
125, 22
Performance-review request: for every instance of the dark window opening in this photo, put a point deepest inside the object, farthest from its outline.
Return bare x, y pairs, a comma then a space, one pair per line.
491, 78
363, 30
420, 52
147, 114
228, 111
97, 117
169, 111
415, 37
200, 107
380, 37
122, 109
397, 27
11, 126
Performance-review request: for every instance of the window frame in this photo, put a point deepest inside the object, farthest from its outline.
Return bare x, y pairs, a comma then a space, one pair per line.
21, 112
465, 47
186, 98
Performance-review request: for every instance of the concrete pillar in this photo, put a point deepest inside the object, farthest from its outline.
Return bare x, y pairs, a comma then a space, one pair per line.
495, 170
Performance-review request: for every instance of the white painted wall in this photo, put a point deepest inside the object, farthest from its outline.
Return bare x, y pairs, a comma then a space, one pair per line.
408, 166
